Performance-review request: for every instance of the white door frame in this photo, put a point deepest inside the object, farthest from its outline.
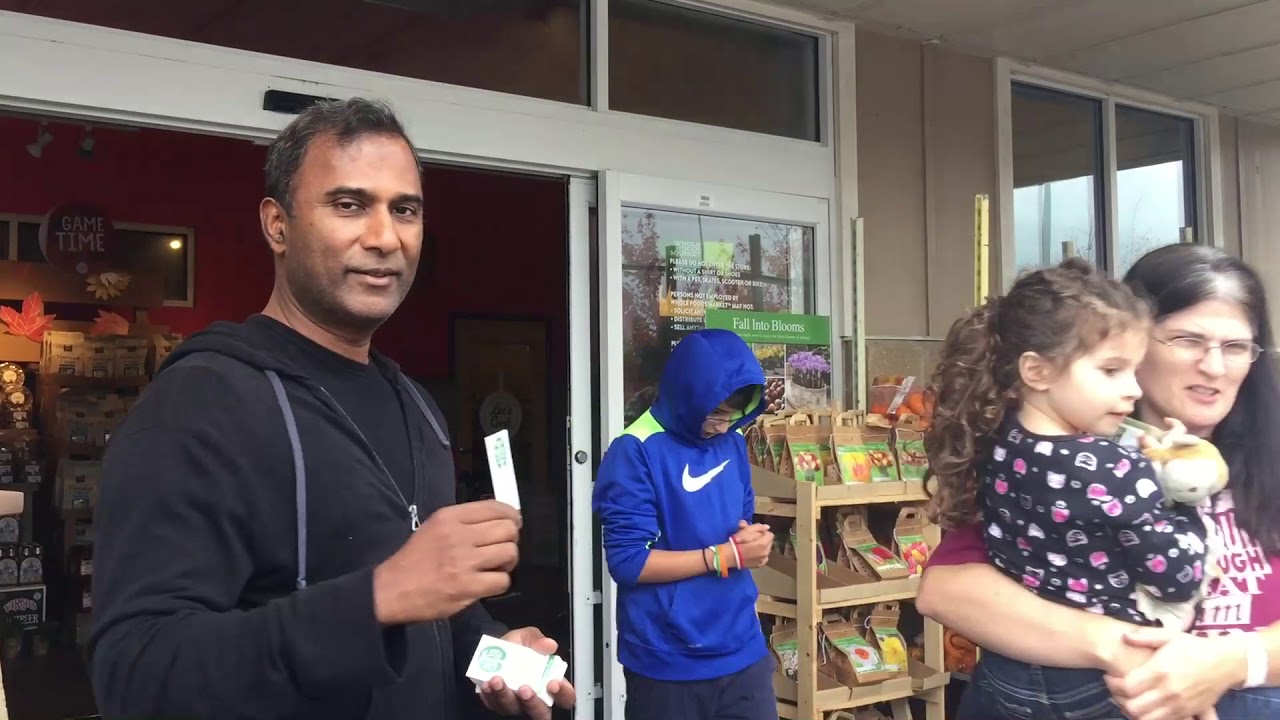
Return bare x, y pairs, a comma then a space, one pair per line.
618, 190
584, 596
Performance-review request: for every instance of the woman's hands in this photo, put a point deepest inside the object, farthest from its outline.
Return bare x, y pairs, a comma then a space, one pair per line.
1184, 678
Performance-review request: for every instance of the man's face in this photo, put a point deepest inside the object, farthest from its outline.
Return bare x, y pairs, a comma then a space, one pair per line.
354, 237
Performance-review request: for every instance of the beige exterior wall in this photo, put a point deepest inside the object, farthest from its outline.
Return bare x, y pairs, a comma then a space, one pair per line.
926, 121
1259, 184
926, 147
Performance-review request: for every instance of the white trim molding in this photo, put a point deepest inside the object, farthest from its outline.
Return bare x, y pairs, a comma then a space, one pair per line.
1207, 150
82, 71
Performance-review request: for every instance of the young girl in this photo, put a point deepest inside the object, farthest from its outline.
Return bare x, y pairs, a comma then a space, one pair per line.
1027, 388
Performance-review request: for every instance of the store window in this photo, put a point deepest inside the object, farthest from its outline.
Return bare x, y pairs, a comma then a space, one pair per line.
536, 48
681, 63
676, 265
164, 250
1057, 176
1060, 158
1155, 183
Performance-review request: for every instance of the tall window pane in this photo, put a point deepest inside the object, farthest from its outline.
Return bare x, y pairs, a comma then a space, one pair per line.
526, 47
1057, 177
676, 265
1155, 182
685, 64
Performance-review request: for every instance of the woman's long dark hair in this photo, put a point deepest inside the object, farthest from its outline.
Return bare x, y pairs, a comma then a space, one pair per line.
1177, 277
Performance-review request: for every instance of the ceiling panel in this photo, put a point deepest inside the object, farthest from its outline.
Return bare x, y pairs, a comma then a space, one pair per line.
1236, 30
1253, 99
1225, 72
1065, 28
935, 19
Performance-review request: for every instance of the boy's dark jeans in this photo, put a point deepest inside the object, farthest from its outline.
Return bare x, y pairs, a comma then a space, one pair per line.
744, 695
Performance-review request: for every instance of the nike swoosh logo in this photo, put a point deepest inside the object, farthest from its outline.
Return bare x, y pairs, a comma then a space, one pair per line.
694, 483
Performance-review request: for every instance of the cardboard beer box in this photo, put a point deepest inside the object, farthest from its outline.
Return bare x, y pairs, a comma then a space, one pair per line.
24, 604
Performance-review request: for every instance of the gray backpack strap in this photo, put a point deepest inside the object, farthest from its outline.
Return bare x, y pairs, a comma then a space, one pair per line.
422, 405
299, 473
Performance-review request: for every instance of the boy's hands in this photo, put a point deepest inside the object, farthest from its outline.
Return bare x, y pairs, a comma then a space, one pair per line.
755, 544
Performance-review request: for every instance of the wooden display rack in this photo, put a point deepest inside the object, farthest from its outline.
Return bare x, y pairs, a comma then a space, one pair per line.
795, 589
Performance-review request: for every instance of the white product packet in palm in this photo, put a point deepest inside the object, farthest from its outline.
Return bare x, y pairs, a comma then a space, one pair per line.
502, 470
516, 664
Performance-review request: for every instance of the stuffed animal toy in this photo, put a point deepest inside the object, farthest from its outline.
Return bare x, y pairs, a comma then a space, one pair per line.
1189, 470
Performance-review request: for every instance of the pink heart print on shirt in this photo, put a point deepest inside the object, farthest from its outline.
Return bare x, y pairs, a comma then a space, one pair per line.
1157, 563
1002, 486
1096, 491
1122, 467
1032, 577
1113, 508
1020, 466
1060, 513
1099, 559
1023, 544
1079, 585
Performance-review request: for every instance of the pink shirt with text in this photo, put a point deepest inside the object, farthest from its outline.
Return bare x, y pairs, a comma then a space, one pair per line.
1246, 597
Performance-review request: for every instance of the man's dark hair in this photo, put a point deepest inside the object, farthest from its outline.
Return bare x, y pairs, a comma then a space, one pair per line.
344, 120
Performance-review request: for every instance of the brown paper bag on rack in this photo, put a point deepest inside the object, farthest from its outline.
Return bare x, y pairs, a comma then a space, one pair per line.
786, 648
851, 464
852, 659
807, 443
908, 539
908, 446
775, 435
857, 539
882, 631
877, 438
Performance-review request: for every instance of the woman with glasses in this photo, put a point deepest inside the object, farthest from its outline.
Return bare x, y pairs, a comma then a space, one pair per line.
1210, 366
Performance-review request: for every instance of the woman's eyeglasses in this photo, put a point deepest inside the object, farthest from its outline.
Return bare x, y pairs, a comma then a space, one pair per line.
1195, 348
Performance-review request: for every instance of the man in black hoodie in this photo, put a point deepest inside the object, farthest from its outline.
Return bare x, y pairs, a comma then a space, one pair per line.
276, 528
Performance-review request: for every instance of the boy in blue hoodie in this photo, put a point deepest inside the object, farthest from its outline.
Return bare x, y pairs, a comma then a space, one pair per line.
674, 496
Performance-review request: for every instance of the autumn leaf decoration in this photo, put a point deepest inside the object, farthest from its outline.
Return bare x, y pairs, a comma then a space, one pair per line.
31, 322
109, 323
108, 285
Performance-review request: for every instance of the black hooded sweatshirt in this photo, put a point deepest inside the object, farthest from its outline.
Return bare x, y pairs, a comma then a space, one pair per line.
200, 610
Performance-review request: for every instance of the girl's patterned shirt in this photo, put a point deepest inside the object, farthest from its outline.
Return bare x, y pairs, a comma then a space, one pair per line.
1082, 521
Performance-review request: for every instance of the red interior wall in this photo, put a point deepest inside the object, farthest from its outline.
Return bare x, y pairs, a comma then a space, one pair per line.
500, 238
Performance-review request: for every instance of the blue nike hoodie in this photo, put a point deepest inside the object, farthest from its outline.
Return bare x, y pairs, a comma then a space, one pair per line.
661, 486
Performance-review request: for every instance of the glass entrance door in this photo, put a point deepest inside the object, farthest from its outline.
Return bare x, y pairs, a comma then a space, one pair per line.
670, 251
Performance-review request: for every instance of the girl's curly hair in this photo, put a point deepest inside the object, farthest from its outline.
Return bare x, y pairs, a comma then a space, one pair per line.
1059, 313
